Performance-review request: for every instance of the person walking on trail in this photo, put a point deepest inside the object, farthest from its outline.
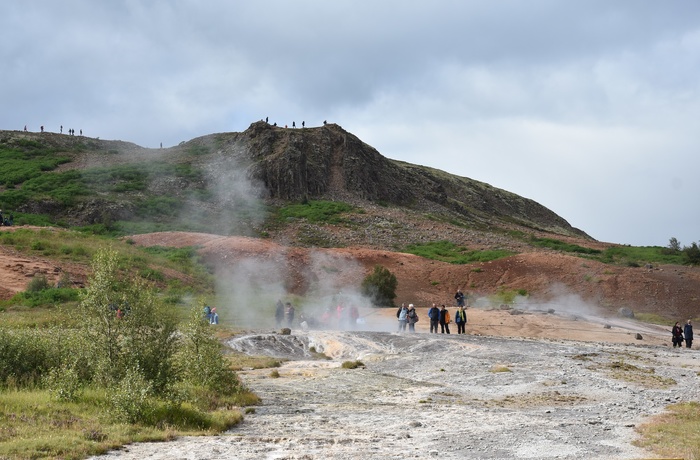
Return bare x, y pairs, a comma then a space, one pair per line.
461, 320
214, 317
402, 315
677, 335
412, 318
445, 320
688, 332
434, 315
459, 298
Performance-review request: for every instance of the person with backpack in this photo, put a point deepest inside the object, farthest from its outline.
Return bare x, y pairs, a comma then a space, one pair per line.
207, 313
459, 298
434, 315
461, 320
412, 318
402, 315
445, 319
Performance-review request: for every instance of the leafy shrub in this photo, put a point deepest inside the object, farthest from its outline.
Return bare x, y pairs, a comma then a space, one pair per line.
199, 359
64, 383
129, 400
38, 283
25, 355
142, 334
352, 364
380, 286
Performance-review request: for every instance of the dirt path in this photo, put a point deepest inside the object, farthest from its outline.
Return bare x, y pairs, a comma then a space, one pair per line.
437, 396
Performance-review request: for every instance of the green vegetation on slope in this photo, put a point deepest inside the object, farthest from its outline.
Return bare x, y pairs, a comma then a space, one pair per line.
446, 251
329, 212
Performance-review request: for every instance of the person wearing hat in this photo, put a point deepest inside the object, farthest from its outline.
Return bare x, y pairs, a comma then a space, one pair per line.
412, 318
214, 316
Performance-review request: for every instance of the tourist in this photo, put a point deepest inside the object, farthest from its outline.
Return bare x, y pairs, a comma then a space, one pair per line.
402, 315
677, 335
688, 332
279, 313
214, 317
290, 314
459, 297
445, 320
412, 318
461, 320
434, 315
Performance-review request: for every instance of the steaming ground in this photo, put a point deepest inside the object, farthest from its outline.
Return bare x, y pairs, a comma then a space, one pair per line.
438, 396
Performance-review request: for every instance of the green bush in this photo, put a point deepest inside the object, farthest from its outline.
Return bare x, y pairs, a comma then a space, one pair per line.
38, 283
25, 355
130, 399
142, 334
199, 359
380, 287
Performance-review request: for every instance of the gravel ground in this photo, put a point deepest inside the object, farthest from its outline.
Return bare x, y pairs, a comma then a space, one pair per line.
438, 396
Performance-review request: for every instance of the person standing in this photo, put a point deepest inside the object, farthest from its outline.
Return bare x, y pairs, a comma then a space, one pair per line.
214, 316
459, 297
444, 320
461, 320
402, 315
688, 332
290, 314
677, 335
412, 318
279, 312
434, 315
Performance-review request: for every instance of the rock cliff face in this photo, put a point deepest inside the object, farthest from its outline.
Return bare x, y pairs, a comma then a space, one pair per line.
329, 163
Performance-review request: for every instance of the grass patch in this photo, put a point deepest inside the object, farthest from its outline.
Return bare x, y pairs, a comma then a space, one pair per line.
328, 212
35, 425
240, 361
562, 246
675, 433
499, 368
446, 251
352, 364
645, 377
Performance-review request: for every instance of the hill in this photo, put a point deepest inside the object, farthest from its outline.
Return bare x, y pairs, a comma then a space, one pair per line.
302, 193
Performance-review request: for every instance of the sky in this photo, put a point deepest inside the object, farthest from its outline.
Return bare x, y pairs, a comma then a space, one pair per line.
591, 108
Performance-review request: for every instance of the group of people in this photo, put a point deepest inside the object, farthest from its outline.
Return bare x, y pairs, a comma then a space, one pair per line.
211, 315
284, 312
340, 316
71, 131
408, 317
680, 334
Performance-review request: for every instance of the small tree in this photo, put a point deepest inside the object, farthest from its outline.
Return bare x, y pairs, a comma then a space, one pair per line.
380, 287
124, 325
692, 254
200, 359
674, 245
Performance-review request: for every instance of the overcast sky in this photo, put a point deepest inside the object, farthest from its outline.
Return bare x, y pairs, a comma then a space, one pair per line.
591, 108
